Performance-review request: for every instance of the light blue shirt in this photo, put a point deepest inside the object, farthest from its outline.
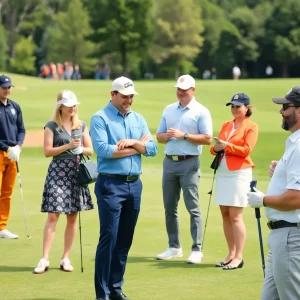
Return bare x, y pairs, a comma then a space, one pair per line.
193, 119
109, 126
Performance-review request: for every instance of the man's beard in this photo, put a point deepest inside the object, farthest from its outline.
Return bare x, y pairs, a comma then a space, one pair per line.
289, 122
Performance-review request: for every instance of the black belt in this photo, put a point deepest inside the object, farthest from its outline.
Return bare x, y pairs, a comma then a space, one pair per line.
180, 157
281, 224
126, 178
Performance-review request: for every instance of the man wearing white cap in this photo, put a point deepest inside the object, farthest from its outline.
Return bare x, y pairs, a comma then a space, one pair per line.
119, 136
185, 126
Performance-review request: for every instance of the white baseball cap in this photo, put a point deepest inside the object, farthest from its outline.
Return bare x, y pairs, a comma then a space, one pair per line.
124, 86
68, 99
185, 82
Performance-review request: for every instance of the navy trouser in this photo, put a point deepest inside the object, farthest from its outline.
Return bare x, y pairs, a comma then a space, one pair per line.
118, 207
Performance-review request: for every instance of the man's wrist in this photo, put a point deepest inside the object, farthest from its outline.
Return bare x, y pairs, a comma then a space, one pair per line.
185, 136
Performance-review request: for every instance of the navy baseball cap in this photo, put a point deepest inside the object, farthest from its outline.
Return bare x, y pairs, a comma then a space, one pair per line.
292, 96
239, 99
5, 81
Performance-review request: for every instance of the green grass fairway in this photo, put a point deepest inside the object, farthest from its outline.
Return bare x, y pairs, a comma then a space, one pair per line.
146, 278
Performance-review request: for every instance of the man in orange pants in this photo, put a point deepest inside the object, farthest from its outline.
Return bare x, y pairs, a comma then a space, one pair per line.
12, 135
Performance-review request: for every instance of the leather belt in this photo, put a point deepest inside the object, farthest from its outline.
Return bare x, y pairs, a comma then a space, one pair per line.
180, 157
127, 178
281, 224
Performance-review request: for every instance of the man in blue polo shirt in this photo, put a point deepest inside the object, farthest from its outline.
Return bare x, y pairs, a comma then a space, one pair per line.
120, 136
12, 136
185, 126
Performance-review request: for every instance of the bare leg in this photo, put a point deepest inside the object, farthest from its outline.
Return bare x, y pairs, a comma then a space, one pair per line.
228, 231
70, 233
239, 232
49, 233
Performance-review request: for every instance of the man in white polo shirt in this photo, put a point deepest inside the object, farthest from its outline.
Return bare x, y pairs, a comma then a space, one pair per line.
282, 202
185, 126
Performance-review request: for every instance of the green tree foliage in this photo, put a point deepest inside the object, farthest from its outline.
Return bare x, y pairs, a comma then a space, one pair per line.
68, 38
24, 59
176, 40
3, 48
122, 27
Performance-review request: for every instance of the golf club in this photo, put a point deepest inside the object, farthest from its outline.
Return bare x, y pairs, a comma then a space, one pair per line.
214, 166
23, 204
257, 215
80, 243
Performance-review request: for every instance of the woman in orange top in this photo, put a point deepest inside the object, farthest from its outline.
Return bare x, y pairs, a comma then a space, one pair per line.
237, 139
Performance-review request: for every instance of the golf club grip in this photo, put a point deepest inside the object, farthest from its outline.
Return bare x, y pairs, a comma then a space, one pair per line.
18, 170
257, 210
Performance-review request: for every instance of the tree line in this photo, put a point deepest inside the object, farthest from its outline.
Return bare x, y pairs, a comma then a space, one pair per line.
160, 37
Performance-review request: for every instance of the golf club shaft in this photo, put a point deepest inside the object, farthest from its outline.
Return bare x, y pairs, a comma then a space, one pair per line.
257, 215
22, 198
80, 243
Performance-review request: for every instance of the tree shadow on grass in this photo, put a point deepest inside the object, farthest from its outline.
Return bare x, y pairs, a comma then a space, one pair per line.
8, 269
166, 264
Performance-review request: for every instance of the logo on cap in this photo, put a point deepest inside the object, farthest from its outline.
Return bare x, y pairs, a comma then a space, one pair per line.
128, 84
236, 97
6, 79
181, 79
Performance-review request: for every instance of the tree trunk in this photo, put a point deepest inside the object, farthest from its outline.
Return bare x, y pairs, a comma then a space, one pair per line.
124, 59
285, 71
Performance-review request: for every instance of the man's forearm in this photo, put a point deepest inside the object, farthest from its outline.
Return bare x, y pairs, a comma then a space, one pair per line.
124, 152
162, 138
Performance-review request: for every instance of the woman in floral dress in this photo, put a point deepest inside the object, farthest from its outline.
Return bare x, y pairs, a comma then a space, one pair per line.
65, 137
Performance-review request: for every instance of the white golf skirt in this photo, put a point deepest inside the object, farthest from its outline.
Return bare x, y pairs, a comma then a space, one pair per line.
232, 186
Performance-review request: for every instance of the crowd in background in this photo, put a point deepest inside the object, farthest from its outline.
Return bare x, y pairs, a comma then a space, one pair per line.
60, 71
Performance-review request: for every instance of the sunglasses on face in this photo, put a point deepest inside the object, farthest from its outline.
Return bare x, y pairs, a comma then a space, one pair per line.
236, 106
285, 106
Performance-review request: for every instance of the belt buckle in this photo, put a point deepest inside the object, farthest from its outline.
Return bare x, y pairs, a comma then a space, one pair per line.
269, 224
298, 225
175, 159
128, 178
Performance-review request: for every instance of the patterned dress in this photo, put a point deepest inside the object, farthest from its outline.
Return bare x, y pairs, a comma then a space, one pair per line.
62, 194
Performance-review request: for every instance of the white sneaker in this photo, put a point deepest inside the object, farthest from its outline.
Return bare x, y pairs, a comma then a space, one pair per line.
170, 253
42, 266
195, 257
5, 234
65, 265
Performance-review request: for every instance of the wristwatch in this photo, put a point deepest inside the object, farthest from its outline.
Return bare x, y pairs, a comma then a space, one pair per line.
185, 136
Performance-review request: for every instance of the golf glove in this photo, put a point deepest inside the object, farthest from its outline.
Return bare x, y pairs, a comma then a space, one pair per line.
77, 150
256, 199
14, 153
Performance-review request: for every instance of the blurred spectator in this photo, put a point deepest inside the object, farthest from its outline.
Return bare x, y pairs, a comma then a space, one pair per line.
60, 71
76, 73
53, 71
97, 74
68, 70
236, 72
106, 72
149, 75
45, 72
269, 71
206, 75
213, 73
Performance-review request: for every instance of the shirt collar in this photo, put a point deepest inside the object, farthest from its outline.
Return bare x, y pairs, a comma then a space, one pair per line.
189, 106
294, 136
7, 103
115, 110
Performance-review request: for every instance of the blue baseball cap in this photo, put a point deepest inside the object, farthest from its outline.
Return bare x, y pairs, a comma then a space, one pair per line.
239, 99
5, 81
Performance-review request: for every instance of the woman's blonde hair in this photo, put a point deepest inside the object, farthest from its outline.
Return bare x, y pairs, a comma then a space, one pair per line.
76, 124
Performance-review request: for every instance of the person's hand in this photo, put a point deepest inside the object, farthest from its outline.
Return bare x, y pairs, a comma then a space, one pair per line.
125, 143
77, 150
272, 167
256, 199
14, 153
175, 133
219, 146
74, 143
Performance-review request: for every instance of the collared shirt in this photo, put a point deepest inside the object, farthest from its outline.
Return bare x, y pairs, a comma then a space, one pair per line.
12, 131
193, 119
109, 126
286, 177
